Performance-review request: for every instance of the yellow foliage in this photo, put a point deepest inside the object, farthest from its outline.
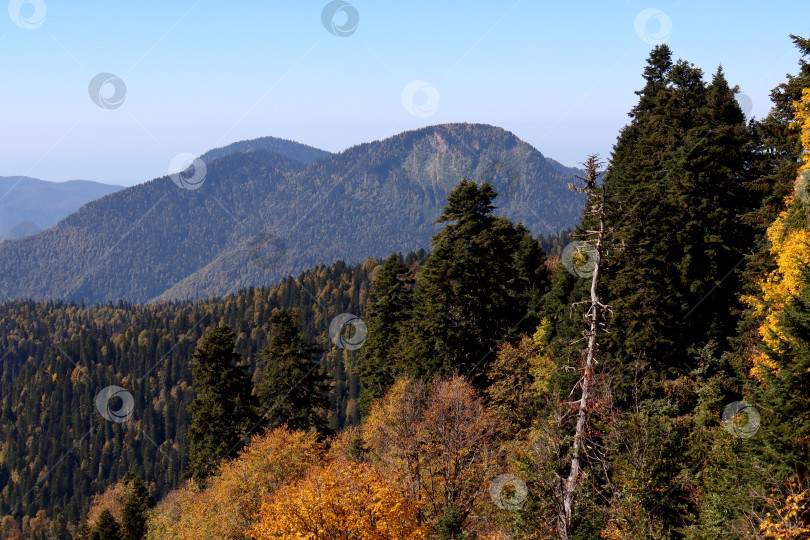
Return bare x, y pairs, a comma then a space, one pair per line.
788, 523
790, 248
624, 522
340, 500
541, 366
113, 499
340, 446
802, 117
520, 376
228, 506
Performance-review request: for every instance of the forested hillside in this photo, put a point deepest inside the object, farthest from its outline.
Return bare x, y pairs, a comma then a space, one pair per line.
256, 216
643, 376
57, 451
290, 149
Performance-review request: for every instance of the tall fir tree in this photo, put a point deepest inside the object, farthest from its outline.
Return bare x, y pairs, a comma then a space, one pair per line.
391, 301
678, 173
223, 411
468, 295
291, 389
107, 528
136, 507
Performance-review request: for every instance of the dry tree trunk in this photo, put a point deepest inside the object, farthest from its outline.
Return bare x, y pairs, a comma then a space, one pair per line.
594, 317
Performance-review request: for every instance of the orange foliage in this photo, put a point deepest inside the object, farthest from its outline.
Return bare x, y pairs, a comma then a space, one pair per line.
227, 508
340, 500
113, 499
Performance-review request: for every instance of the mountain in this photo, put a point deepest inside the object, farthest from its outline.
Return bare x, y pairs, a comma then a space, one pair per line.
260, 216
43, 203
21, 229
291, 149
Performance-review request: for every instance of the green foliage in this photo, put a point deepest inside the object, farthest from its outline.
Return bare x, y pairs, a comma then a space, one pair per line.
676, 180
223, 411
135, 509
291, 389
450, 526
778, 146
107, 528
392, 298
785, 392
474, 290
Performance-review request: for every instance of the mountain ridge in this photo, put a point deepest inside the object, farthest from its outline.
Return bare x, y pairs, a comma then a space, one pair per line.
44, 203
260, 216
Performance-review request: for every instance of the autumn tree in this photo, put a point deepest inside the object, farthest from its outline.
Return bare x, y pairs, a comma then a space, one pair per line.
127, 501
520, 376
9, 528
341, 500
228, 507
790, 518
439, 440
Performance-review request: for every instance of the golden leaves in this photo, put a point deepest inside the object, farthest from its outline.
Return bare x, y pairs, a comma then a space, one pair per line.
790, 248
788, 523
340, 500
228, 507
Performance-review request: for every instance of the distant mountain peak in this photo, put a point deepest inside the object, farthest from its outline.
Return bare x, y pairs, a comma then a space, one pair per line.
270, 208
290, 149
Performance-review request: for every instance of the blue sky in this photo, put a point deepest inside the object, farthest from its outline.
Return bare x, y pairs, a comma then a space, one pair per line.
201, 74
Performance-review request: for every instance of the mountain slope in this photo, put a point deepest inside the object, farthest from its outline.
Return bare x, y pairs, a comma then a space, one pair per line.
44, 203
261, 216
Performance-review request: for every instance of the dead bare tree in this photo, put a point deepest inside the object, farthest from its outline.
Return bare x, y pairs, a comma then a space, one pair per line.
593, 246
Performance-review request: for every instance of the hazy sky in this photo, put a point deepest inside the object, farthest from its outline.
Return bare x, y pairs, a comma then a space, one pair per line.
193, 75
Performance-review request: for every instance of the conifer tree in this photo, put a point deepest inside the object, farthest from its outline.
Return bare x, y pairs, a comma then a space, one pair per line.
134, 513
778, 146
678, 171
468, 295
391, 302
107, 528
291, 389
222, 412
785, 390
